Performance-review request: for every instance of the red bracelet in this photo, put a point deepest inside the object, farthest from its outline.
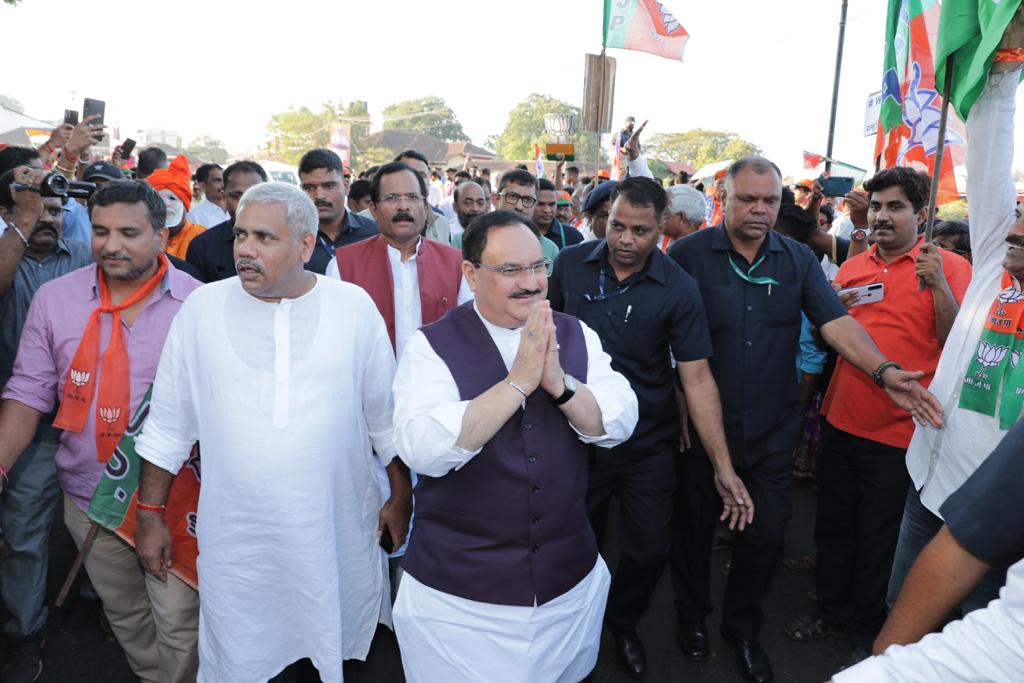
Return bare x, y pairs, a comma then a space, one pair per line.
151, 508
48, 148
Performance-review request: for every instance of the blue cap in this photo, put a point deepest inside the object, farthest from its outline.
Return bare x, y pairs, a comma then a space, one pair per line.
598, 195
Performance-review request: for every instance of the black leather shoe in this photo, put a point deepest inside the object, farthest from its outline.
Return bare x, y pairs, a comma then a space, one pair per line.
631, 652
692, 637
751, 657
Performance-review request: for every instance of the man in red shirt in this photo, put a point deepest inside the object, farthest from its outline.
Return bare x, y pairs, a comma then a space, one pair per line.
862, 474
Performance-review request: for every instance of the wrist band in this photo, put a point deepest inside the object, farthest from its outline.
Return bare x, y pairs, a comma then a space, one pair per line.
48, 148
517, 388
877, 374
151, 508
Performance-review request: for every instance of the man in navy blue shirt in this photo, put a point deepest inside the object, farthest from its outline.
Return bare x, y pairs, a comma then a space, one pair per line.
544, 216
647, 312
755, 283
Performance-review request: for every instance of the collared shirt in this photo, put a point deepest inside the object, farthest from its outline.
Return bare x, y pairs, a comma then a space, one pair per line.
53, 330
212, 252
353, 229
76, 225
639, 320
68, 256
405, 277
940, 460
563, 235
903, 327
208, 215
429, 409
755, 333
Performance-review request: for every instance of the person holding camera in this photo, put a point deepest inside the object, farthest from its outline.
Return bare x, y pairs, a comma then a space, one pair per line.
32, 252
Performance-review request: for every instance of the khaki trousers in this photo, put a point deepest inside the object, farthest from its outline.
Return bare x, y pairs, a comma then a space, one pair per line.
155, 623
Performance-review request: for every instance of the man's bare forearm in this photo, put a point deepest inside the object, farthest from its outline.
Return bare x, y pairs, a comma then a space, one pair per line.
486, 414
853, 343
398, 477
943, 575
154, 484
946, 309
583, 412
704, 406
18, 424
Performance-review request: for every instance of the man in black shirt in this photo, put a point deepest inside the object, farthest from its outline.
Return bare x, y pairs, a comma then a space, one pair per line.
320, 176
211, 253
544, 216
755, 283
647, 311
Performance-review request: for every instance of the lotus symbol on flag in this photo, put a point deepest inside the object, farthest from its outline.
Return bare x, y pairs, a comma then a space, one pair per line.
1011, 295
921, 113
990, 355
1014, 359
79, 377
109, 415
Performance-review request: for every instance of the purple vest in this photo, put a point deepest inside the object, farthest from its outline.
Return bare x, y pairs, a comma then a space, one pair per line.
511, 525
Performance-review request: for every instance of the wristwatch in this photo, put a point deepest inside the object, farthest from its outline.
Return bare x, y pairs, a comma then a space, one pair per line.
570, 391
858, 235
880, 370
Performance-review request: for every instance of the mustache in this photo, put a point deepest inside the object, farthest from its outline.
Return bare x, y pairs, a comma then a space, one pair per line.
114, 257
524, 293
1015, 241
402, 216
248, 262
322, 203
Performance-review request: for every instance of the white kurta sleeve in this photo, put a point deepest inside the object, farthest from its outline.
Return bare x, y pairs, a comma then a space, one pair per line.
172, 426
990, 190
378, 374
987, 645
614, 396
428, 411
638, 167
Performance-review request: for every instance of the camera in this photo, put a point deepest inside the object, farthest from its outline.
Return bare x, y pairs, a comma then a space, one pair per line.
56, 185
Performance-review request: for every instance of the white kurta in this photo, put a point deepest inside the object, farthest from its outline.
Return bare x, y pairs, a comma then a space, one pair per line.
448, 638
289, 401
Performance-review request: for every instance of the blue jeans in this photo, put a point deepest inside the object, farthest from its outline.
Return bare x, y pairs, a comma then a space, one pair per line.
27, 507
917, 529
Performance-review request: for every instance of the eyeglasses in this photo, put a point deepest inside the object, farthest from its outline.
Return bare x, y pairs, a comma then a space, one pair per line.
539, 269
411, 197
512, 199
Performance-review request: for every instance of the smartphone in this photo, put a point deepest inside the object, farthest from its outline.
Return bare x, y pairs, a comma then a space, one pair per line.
71, 116
868, 294
127, 147
90, 107
836, 186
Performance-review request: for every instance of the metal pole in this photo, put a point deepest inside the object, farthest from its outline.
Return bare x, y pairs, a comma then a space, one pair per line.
939, 149
835, 88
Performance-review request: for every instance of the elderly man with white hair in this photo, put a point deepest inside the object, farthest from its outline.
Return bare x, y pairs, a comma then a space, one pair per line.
685, 215
284, 376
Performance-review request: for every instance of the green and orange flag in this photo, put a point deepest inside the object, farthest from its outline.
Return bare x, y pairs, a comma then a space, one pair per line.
643, 25
115, 500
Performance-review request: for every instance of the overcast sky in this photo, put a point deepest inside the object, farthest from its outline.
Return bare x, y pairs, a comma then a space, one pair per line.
222, 67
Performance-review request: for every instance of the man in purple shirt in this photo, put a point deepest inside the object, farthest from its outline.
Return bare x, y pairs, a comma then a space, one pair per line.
155, 622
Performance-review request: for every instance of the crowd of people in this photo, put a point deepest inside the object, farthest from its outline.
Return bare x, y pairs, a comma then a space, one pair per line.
417, 393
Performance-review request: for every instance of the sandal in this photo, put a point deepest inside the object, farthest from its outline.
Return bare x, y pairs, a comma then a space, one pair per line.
810, 629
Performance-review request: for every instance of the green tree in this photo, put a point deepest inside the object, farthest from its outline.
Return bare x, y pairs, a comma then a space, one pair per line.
292, 133
11, 2
953, 211
430, 115
208, 148
525, 127
374, 156
357, 115
698, 147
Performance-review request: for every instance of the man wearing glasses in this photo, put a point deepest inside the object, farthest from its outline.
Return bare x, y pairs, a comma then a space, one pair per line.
517, 191
644, 307
495, 406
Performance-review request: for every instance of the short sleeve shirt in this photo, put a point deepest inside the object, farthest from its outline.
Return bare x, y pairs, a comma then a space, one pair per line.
640, 320
981, 514
755, 333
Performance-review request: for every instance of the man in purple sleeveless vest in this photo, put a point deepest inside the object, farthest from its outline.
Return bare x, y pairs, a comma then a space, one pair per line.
495, 405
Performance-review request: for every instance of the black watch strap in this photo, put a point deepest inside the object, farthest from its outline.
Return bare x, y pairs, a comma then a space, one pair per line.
877, 374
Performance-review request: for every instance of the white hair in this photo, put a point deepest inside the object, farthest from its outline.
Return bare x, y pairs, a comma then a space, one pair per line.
687, 201
302, 216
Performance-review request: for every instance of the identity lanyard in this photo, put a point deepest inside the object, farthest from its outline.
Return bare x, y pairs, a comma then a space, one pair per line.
749, 277
601, 296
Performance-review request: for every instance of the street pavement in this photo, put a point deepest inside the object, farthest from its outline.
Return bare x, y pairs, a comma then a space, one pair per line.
78, 651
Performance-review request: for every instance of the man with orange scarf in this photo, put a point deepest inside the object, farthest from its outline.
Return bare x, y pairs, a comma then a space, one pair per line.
90, 346
174, 184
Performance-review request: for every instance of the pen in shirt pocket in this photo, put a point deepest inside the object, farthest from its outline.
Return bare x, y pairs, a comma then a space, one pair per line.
629, 309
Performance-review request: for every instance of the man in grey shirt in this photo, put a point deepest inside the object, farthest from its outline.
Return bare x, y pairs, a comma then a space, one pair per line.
32, 252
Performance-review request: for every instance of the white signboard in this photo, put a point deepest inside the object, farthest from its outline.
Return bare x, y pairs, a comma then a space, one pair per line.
871, 112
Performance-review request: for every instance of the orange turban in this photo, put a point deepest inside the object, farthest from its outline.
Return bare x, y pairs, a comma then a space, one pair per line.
177, 178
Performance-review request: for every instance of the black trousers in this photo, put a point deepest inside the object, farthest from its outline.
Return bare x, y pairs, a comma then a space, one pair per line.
862, 488
303, 671
756, 550
645, 495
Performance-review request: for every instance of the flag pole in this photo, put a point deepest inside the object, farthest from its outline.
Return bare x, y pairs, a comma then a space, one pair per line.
940, 147
77, 565
835, 88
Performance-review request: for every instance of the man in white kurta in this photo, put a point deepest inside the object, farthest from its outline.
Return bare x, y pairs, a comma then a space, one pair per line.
448, 637
289, 400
